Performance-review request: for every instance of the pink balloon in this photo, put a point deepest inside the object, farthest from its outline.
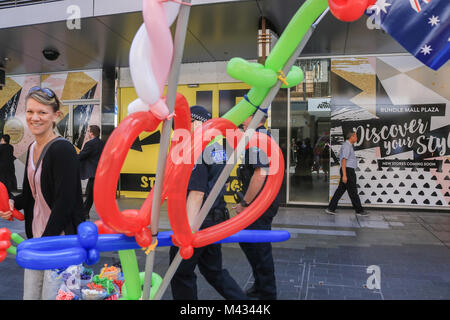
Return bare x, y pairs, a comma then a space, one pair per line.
161, 48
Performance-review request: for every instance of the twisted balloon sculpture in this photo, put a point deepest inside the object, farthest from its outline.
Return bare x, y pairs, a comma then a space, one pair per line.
151, 57
261, 77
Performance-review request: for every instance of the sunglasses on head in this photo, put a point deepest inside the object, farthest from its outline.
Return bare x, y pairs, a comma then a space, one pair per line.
47, 91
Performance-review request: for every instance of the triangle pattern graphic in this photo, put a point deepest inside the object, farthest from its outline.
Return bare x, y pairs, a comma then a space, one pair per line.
9, 91
8, 110
433, 80
77, 85
385, 71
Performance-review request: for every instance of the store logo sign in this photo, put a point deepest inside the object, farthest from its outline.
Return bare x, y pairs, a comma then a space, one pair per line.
319, 107
73, 21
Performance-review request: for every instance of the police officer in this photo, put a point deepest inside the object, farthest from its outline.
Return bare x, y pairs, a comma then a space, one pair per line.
253, 176
208, 258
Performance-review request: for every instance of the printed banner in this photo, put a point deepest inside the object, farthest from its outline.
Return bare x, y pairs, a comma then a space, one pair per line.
401, 114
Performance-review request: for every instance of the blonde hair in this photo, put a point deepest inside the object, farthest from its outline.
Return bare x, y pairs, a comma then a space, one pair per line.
43, 98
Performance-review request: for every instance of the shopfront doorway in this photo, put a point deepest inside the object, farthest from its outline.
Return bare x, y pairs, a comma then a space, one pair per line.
77, 115
309, 135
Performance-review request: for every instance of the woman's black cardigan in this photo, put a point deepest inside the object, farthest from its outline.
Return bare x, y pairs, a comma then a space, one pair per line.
61, 188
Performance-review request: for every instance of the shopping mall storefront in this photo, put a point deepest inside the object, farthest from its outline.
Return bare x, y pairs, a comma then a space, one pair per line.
398, 107
357, 77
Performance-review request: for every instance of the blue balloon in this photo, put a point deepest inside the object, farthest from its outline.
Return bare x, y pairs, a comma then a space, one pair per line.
116, 242
45, 260
49, 243
92, 257
63, 251
87, 235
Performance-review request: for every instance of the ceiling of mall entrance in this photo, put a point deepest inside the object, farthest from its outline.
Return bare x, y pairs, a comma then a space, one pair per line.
216, 32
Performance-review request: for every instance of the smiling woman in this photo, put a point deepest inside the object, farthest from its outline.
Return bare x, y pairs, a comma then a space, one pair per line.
51, 193
42, 111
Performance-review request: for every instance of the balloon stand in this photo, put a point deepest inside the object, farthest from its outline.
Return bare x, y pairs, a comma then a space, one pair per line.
79, 283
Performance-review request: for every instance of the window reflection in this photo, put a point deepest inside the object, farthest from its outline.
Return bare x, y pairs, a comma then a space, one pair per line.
309, 127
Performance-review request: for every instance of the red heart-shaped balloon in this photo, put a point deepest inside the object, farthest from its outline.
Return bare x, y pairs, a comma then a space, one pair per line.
179, 179
129, 222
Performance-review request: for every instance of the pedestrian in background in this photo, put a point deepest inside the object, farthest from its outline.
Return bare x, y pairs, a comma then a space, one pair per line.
7, 169
347, 182
89, 157
51, 195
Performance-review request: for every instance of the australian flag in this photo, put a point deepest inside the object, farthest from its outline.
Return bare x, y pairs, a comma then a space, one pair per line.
421, 26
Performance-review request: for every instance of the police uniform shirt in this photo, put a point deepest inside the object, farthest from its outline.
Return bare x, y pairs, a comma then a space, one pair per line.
206, 172
255, 158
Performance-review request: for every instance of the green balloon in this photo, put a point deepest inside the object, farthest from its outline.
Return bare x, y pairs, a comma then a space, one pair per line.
294, 33
294, 77
130, 271
12, 250
156, 283
253, 74
244, 109
16, 238
280, 55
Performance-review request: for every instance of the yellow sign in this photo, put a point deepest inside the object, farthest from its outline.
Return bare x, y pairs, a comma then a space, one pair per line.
138, 172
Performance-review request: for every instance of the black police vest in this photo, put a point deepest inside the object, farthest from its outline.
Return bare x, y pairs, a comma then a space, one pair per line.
246, 170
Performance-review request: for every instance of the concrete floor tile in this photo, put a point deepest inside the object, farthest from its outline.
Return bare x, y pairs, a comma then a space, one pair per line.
413, 257
443, 236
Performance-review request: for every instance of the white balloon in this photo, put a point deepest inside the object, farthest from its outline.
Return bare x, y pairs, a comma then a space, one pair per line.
141, 70
137, 106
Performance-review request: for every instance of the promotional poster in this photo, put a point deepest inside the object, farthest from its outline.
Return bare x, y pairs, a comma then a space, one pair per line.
399, 109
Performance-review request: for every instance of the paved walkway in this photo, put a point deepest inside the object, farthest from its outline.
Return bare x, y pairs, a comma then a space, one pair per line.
326, 258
